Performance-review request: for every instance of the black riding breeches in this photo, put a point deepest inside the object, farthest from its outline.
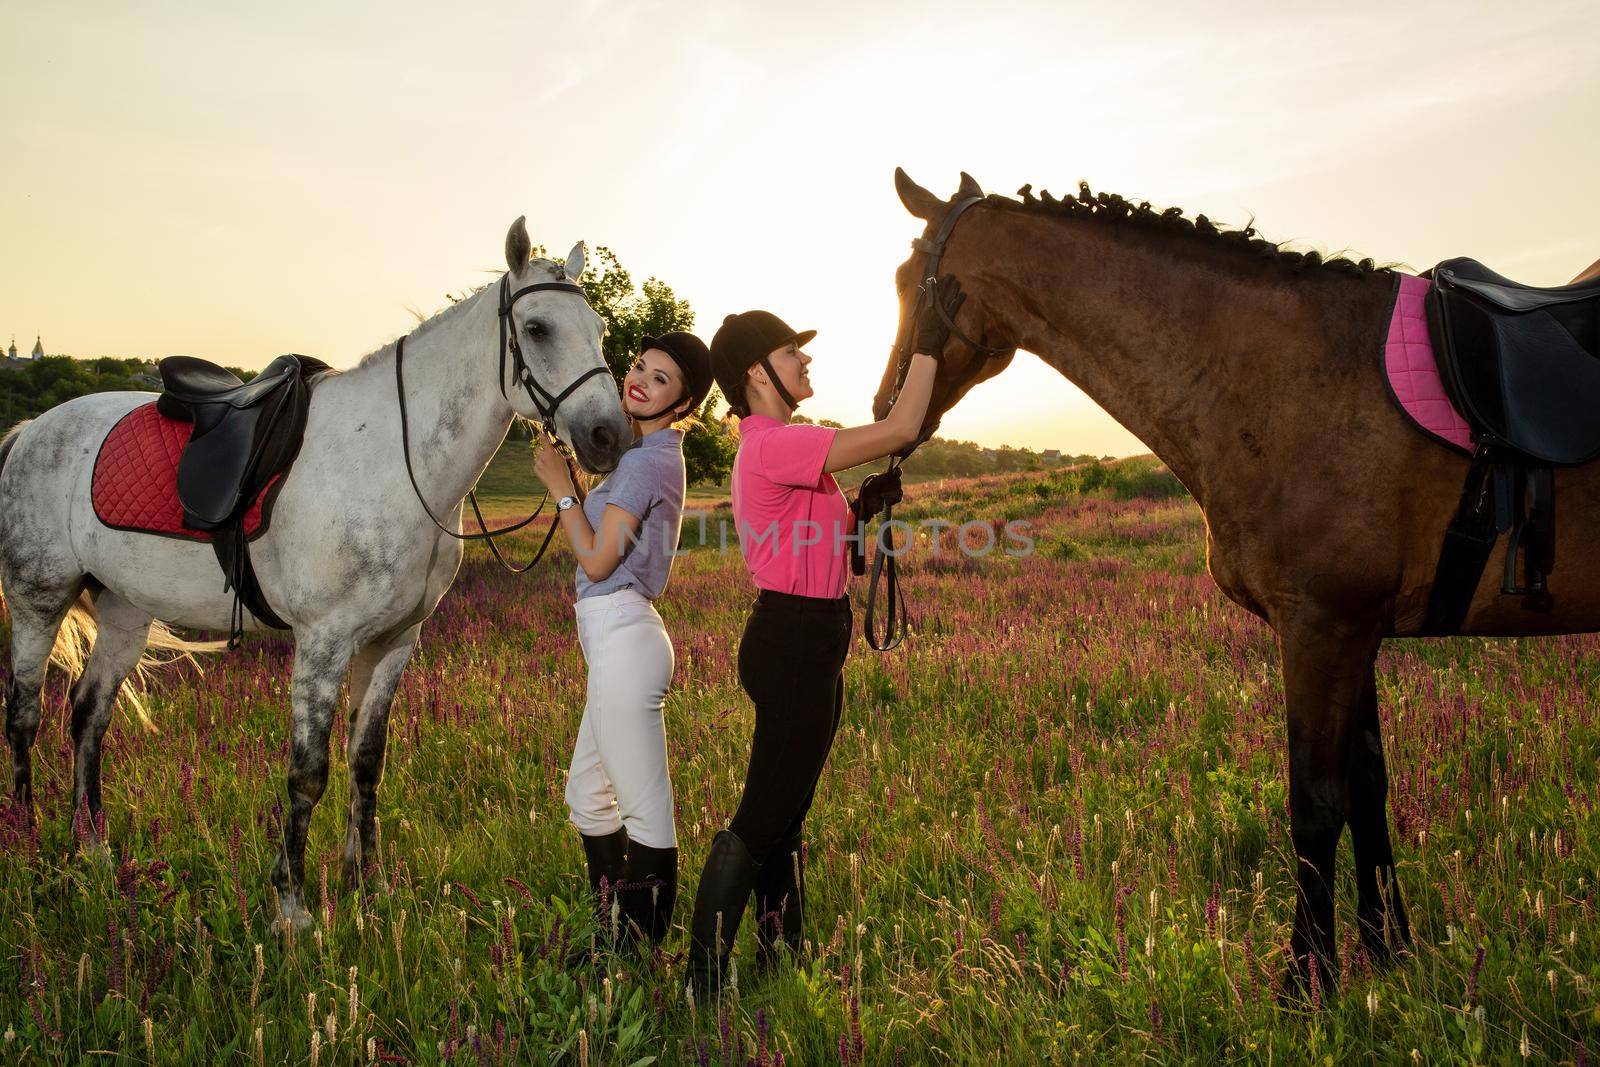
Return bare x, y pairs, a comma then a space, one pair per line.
791, 662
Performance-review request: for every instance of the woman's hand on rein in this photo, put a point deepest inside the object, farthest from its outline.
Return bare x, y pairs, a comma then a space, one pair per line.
553, 469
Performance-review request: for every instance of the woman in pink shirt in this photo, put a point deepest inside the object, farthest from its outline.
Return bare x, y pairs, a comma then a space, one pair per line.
794, 528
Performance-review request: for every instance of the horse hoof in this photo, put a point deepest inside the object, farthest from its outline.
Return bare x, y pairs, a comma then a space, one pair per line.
293, 918
367, 879
98, 854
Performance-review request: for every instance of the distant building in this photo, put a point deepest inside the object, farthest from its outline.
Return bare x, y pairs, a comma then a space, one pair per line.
1051, 453
10, 360
38, 349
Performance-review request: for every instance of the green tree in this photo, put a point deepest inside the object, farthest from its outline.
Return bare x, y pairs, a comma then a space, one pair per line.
36, 386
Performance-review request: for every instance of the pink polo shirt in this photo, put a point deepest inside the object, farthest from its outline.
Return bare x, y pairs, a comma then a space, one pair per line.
793, 522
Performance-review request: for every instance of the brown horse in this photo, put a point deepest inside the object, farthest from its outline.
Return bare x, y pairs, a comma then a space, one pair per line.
1254, 373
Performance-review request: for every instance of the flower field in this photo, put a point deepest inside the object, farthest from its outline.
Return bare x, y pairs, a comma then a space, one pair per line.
1052, 830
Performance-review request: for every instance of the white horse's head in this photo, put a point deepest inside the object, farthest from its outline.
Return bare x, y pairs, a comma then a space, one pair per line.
559, 335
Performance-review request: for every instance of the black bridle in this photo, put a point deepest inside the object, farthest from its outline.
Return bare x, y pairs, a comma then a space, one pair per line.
545, 403
884, 568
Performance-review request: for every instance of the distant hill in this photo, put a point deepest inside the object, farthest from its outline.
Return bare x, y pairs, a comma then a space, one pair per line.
32, 387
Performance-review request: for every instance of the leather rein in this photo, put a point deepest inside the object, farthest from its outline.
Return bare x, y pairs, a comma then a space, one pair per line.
545, 403
885, 570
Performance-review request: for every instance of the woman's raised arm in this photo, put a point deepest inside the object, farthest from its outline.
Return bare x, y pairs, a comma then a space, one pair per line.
598, 551
855, 445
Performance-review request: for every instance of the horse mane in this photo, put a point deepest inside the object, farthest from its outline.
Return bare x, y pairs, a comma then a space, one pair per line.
1110, 208
448, 312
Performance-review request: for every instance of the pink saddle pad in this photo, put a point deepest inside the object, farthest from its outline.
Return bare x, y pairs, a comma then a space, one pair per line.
1412, 371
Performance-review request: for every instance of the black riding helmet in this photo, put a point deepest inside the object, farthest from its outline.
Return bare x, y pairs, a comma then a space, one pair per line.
742, 341
692, 357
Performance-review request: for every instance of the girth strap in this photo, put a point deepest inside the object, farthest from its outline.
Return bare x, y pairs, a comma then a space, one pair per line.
1505, 492
232, 550
1533, 536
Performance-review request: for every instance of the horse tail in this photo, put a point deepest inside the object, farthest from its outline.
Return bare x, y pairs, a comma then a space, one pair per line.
76, 635
76, 638
161, 648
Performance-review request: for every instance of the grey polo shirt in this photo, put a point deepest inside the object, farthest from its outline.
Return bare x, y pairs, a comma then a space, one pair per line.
649, 485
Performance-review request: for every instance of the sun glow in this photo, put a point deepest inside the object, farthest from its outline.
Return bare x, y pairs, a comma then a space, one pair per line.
174, 186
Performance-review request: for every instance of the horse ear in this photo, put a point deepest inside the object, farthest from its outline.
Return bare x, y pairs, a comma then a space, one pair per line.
574, 264
969, 186
518, 246
918, 201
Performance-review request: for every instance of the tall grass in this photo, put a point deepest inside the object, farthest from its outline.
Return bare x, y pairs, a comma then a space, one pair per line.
1052, 830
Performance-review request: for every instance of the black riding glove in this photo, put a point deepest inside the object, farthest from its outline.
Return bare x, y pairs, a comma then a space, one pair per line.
876, 491
943, 299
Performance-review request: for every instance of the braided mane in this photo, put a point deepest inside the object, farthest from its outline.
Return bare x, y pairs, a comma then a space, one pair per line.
1111, 208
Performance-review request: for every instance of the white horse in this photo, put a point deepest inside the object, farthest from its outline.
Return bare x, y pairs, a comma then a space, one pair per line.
352, 560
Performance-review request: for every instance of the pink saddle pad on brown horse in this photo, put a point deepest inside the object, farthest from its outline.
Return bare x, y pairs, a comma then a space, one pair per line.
1412, 371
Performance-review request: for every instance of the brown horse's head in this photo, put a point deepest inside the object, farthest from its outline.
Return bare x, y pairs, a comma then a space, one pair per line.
962, 366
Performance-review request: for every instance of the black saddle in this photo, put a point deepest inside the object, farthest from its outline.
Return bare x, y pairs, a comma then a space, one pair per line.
245, 435
191, 383
1522, 365
244, 432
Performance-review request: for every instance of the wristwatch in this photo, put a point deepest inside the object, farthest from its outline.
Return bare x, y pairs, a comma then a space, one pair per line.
568, 501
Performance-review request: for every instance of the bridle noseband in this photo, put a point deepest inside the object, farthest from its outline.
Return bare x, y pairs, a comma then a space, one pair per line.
884, 567
545, 403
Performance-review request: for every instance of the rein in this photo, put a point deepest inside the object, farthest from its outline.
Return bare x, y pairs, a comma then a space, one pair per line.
544, 402
885, 569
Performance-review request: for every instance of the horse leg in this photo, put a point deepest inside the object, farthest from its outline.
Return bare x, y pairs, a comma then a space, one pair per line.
123, 631
373, 679
319, 666
35, 621
1384, 927
1325, 664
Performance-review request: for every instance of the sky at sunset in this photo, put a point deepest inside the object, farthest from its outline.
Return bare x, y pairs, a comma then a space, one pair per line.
233, 181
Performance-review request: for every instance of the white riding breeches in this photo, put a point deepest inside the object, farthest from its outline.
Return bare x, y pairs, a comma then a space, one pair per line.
619, 764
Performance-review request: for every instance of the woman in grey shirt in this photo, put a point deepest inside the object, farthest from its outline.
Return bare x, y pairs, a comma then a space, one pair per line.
618, 791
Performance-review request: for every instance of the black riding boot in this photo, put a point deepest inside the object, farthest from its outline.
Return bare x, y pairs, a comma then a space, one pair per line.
725, 885
780, 902
650, 891
608, 866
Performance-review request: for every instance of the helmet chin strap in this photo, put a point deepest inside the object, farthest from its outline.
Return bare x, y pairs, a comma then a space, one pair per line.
777, 384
